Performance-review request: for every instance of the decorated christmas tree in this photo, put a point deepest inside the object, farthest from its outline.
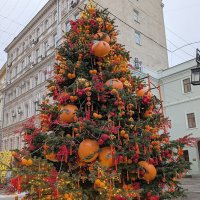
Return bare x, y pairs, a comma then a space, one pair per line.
102, 133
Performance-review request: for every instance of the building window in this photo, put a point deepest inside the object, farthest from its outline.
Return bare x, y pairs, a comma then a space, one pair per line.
29, 59
38, 32
17, 52
68, 26
23, 46
11, 57
23, 64
14, 93
19, 90
28, 85
186, 85
7, 118
69, 2
26, 110
77, 16
46, 24
191, 120
37, 55
136, 15
11, 144
55, 40
30, 39
36, 80
36, 105
137, 37
186, 155
18, 142
55, 16
45, 47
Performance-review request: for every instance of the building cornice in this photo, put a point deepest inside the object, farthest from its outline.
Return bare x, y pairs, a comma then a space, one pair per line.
27, 28
184, 101
177, 69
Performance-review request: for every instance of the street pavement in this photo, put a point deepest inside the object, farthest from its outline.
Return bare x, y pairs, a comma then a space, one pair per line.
192, 185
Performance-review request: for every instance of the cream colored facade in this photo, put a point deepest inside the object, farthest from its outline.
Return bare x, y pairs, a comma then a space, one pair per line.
31, 54
2, 86
145, 18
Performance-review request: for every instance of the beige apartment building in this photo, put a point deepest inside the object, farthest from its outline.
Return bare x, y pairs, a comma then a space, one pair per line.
30, 56
2, 86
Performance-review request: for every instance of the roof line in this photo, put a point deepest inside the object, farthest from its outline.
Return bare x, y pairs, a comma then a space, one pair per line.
31, 23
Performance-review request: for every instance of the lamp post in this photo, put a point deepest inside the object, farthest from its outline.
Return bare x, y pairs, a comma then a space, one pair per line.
195, 72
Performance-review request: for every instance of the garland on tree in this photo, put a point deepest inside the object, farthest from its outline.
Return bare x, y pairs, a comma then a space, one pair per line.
103, 137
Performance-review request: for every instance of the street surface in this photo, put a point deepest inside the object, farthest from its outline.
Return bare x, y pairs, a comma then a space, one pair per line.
193, 187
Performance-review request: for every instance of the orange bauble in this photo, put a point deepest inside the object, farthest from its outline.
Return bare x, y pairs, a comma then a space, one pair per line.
115, 84
102, 36
140, 93
68, 113
148, 113
150, 171
63, 95
106, 157
51, 157
88, 150
101, 49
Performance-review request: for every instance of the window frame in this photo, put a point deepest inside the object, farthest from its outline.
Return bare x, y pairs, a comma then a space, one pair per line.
55, 40
136, 16
46, 24
183, 86
188, 123
137, 33
67, 25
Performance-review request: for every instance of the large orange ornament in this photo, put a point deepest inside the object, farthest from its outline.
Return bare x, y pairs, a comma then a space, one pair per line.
68, 113
140, 93
115, 84
150, 171
102, 36
101, 49
88, 150
106, 157
51, 157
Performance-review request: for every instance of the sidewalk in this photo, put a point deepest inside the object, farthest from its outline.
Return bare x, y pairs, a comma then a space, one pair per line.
192, 185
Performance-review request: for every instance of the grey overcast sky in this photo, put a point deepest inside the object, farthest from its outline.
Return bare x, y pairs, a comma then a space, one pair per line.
181, 20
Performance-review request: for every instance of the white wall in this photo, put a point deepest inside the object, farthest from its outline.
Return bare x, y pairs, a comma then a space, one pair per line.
177, 104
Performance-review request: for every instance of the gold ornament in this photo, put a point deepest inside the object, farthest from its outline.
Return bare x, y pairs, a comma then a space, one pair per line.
82, 83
